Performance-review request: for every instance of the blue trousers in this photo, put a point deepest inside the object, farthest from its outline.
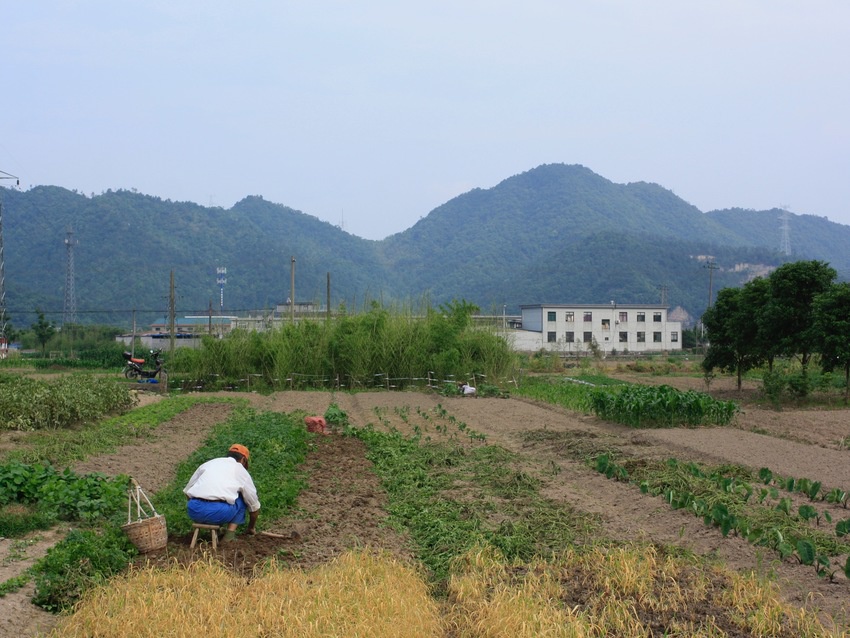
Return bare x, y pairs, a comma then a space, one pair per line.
216, 512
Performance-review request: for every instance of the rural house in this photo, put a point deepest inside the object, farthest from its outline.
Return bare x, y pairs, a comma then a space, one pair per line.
572, 328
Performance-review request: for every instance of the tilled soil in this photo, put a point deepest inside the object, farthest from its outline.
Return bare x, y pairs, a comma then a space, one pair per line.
343, 505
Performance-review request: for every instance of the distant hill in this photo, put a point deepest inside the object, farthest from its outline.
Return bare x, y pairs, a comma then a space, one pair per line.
556, 233
810, 237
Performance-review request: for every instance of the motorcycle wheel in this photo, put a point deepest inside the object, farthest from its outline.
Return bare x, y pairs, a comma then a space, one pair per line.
131, 374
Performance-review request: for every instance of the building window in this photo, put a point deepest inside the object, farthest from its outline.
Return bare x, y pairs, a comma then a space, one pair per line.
569, 317
570, 337
550, 316
674, 337
656, 337
588, 337
588, 316
624, 337
641, 317
624, 317
641, 337
606, 324
656, 317
550, 337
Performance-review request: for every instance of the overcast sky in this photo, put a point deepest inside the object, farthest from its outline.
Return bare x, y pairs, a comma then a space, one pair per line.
370, 114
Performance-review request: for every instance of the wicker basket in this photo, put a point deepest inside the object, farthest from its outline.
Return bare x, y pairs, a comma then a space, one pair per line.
148, 534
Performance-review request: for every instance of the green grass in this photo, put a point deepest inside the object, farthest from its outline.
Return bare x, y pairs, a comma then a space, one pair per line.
278, 444
452, 498
98, 549
65, 446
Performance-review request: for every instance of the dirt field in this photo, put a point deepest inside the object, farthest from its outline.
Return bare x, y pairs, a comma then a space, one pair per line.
343, 505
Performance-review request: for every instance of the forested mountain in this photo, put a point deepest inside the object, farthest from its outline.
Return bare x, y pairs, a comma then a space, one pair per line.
809, 236
556, 233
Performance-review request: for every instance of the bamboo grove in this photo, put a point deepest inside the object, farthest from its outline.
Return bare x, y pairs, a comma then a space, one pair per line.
379, 347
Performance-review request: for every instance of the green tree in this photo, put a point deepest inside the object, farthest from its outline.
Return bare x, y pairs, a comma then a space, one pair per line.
786, 322
43, 329
831, 327
690, 338
733, 329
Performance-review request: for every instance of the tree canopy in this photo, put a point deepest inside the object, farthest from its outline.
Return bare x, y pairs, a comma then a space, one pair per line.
797, 311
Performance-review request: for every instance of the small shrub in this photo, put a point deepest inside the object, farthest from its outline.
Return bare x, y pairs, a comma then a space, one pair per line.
335, 415
84, 559
799, 384
773, 385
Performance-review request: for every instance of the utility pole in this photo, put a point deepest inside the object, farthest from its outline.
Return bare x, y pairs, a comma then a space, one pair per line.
221, 279
328, 303
171, 313
3, 318
292, 291
711, 268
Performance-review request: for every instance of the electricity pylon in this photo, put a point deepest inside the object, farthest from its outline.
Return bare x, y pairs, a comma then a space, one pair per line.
3, 318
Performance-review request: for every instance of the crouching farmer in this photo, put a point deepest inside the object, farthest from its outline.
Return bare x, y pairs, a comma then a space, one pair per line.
221, 492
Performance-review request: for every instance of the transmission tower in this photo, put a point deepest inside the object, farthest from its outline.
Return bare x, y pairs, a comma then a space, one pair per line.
785, 243
711, 268
3, 318
221, 279
69, 311
663, 288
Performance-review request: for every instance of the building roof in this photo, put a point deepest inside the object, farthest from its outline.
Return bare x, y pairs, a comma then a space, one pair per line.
194, 321
618, 306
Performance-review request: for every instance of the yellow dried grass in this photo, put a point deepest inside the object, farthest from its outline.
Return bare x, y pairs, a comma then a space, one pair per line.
359, 594
491, 598
179, 601
757, 608
364, 593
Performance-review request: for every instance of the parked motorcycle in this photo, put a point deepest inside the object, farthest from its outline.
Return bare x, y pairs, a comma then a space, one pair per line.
134, 367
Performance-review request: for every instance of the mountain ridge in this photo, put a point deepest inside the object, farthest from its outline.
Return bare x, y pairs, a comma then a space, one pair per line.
556, 233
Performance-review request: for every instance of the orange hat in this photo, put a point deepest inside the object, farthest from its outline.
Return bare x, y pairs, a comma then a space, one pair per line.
241, 449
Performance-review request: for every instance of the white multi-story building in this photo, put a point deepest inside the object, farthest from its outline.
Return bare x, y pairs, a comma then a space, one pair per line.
613, 327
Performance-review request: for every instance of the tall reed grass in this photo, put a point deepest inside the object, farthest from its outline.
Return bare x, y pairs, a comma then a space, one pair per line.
378, 347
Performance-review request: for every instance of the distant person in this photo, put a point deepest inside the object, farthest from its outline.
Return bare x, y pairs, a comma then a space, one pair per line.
467, 390
221, 492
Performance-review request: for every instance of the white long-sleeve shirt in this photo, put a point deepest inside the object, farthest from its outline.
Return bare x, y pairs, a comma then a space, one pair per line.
223, 479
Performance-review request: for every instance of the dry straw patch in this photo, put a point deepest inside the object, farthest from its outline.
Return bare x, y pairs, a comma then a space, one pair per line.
625, 591
180, 601
358, 594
